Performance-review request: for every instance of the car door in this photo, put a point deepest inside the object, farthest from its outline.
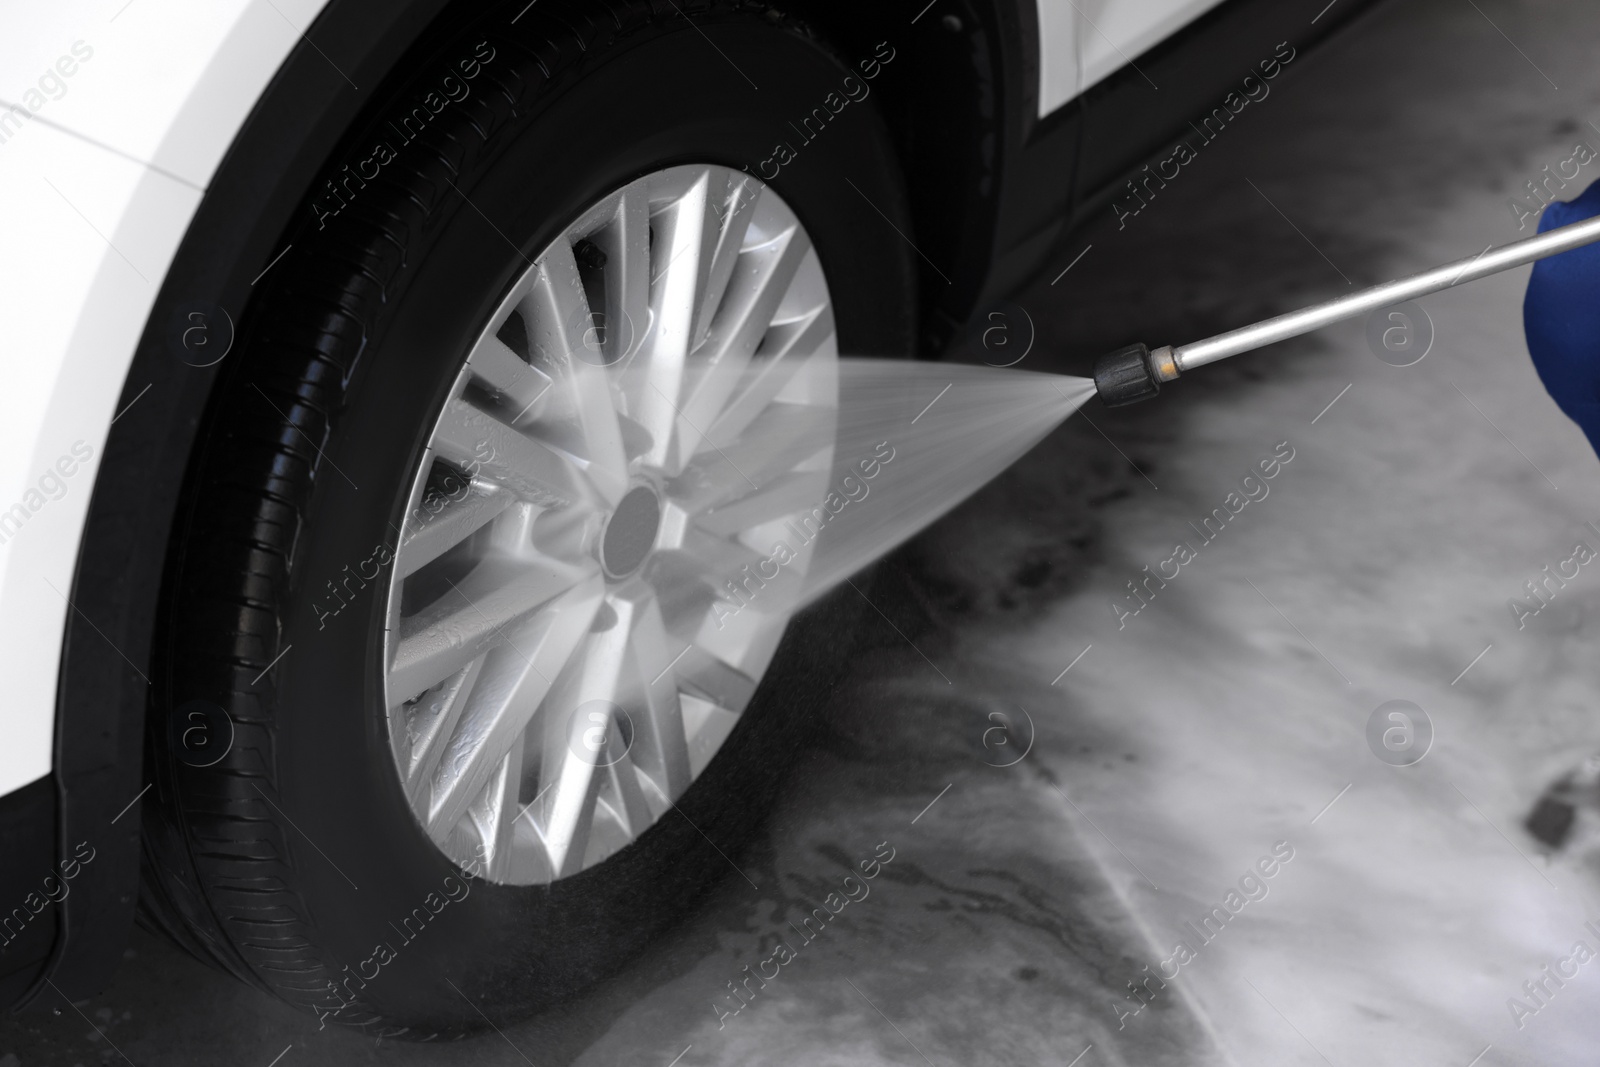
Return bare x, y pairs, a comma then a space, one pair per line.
1083, 41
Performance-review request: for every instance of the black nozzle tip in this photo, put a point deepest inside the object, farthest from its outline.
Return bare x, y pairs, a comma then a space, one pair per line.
1126, 376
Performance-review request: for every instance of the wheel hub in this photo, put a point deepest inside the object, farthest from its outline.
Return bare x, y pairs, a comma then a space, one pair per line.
630, 532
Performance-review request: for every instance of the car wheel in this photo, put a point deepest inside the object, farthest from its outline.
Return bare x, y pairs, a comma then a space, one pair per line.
464, 692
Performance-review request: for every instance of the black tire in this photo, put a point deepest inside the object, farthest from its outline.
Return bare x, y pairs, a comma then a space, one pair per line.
290, 860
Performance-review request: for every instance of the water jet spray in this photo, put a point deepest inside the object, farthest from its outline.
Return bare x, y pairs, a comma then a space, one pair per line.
915, 439
1136, 372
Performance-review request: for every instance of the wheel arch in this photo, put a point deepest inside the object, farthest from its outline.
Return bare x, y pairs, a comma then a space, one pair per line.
962, 109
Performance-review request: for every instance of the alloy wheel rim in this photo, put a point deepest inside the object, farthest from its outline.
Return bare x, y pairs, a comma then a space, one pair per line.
584, 595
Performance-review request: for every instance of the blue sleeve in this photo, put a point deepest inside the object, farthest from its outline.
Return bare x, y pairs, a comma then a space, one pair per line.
1561, 316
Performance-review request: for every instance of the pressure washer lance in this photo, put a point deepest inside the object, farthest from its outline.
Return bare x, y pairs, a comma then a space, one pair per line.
1135, 373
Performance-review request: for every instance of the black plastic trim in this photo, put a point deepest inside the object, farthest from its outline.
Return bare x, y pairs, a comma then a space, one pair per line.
1078, 156
959, 100
28, 912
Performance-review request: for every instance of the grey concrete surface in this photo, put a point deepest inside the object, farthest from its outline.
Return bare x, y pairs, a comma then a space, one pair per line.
1228, 715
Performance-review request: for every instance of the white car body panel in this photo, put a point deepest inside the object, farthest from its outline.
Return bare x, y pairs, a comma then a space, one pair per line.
99, 184
1081, 42
101, 172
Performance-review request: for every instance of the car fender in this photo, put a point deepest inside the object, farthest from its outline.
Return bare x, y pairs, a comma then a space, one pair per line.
135, 201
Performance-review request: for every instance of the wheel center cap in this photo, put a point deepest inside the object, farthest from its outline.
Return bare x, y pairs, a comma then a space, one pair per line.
630, 533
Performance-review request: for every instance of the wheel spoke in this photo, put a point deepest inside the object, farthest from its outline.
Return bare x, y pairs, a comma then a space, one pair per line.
568, 809
488, 448
764, 588
494, 813
690, 577
622, 795
565, 339
787, 435
716, 368
784, 350
579, 733
431, 722
791, 494
650, 692
626, 244
687, 233
515, 680
436, 532
582, 734
708, 677
474, 616
711, 726
733, 206
504, 373
716, 588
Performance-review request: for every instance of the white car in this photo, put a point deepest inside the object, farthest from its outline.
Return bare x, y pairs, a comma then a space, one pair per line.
398, 395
